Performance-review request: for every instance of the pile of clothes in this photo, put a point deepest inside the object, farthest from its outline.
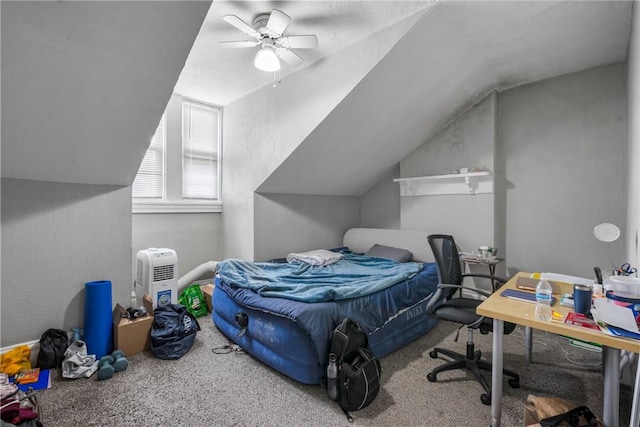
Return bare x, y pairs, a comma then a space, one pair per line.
18, 408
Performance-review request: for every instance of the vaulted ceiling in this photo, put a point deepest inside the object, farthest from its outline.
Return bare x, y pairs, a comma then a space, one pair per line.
454, 55
84, 83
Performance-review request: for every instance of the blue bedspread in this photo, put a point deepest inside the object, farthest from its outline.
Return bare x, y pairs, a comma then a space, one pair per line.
351, 277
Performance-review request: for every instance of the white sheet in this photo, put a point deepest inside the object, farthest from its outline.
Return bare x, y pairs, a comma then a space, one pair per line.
318, 257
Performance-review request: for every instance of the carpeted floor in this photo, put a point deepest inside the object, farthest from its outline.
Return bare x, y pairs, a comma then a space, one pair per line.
207, 389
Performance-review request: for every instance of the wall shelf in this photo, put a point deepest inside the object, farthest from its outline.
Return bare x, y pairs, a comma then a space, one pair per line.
456, 183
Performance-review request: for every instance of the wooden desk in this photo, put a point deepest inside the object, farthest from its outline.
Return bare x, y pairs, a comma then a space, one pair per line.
502, 309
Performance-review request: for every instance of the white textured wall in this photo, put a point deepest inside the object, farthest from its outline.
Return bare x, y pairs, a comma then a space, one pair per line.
560, 167
296, 223
55, 238
564, 147
633, 141
380, 206
466, 142
263, 128
194, 236
83, 87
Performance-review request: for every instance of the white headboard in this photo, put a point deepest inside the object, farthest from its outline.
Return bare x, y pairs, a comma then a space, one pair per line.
361, 239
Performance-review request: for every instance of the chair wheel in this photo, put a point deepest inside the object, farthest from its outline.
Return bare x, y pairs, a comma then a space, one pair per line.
514, 383
433, 354
431, 377
485, 398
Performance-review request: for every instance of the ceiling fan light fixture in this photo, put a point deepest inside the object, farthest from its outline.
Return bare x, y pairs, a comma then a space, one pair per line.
266, 60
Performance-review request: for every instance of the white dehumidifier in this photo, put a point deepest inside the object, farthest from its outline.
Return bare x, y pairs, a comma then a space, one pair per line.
157, 275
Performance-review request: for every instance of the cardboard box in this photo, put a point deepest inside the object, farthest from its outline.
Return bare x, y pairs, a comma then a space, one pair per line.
132, 335
207, 291
147, 303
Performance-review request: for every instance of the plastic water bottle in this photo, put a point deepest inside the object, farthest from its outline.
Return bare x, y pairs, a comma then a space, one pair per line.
332, 377
543, 300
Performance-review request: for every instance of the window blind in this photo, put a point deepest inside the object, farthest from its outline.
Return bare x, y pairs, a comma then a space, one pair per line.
200, 142
149, 182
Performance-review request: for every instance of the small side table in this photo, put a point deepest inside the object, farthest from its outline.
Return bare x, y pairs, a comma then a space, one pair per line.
491, 262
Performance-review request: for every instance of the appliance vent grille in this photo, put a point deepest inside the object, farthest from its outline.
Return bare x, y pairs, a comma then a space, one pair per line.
163, 272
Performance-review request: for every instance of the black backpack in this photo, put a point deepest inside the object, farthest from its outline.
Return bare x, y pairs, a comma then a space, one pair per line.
53, 344
173, 331
358, 369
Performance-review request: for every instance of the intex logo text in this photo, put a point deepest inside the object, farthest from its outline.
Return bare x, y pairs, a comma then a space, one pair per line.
415, 312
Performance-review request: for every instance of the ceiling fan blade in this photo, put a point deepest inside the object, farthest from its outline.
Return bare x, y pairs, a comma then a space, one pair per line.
243, 43
289, 56
241, 25
299, 42
278, 22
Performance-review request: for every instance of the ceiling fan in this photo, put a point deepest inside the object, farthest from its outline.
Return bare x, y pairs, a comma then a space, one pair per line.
268, 32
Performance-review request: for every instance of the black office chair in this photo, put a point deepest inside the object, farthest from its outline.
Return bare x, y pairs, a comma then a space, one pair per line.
462, 310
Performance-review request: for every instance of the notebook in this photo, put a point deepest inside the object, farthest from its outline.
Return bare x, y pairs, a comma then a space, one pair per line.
523, 295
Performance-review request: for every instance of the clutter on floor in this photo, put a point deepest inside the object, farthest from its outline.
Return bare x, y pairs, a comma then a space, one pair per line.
16, 405
169, 331
110, 364
77, 362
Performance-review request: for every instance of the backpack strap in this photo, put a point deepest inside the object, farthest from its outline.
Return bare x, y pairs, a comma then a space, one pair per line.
347, 414
339, 344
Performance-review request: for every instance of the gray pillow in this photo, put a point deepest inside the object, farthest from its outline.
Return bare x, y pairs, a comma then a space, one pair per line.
396, 254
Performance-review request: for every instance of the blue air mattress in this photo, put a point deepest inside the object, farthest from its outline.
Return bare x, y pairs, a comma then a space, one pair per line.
293, 337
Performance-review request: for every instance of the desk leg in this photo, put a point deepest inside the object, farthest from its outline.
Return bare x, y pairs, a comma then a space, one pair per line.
635, 411
528, 343
611, 387
496, 373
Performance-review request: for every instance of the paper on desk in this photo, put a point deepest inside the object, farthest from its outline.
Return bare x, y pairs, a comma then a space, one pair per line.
566, 279
613, 315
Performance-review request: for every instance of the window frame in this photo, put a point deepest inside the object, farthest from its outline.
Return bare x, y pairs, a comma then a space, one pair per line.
172, 201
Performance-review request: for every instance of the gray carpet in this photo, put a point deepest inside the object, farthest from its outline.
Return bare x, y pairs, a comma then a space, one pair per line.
207, 389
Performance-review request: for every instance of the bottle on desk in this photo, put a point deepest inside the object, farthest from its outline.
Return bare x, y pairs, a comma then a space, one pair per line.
543, 300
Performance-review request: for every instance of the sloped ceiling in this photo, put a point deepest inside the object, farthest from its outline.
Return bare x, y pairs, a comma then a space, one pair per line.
220, 75
84, 84
455, 54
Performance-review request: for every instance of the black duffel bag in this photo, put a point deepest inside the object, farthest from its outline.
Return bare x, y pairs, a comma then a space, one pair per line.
173, 331
53, 344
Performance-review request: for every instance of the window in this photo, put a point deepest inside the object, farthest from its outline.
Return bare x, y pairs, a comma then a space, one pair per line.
181, 169
200, 126
149, 182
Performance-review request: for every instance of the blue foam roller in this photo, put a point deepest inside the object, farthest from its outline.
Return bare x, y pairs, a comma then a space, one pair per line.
98, 332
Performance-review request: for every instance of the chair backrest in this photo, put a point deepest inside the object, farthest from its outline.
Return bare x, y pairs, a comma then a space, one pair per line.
447, 259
